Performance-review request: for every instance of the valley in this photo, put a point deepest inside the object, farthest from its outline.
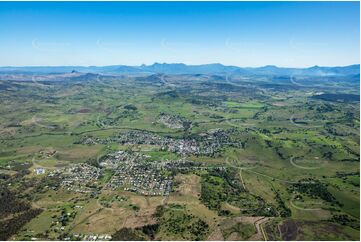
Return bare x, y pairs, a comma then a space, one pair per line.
170, 153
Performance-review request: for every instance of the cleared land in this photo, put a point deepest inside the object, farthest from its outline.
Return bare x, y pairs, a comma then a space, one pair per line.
179, 157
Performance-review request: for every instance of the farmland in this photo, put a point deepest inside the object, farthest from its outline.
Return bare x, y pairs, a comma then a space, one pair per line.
179, 157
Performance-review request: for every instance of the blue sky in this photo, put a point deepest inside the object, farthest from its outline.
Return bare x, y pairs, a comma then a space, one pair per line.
293, 34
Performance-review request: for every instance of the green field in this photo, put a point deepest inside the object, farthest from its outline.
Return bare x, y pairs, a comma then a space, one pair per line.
273, 162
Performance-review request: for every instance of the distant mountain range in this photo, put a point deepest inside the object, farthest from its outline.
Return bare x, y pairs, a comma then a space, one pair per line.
180, 68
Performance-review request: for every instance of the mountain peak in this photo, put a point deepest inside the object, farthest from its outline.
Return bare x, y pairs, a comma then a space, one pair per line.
269, 67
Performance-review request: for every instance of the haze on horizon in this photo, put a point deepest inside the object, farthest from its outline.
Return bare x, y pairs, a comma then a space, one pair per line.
245, 34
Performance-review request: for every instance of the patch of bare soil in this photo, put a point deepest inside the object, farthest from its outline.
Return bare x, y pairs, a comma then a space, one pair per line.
189, 185
247, 219
216, 235
145, 217
135, 222
233, 236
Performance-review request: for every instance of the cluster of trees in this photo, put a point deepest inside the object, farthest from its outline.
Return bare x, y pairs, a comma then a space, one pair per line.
47, 183
130, 107
215, 190
150, 230
179, 224
187, 226
146, 232
223, 185
346, 220
343, 97
173, 219
127, 234
282, 209
14, 213
159, 211
198, 229
10, 204
314, 189
342, 174
11, 226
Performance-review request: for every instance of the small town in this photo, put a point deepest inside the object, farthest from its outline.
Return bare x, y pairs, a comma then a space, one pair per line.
206, 143
131, 171
134, 173
78, 178
174, 121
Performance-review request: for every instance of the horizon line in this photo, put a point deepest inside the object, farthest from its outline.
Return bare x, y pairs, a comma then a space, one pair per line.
175, 63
